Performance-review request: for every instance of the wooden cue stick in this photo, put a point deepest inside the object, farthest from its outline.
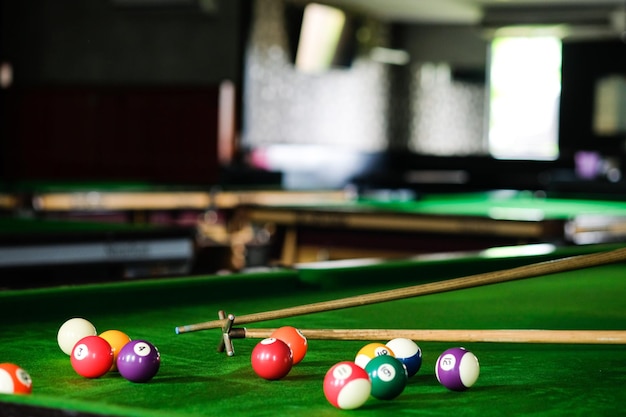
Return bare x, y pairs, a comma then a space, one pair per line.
527, 271
614, 337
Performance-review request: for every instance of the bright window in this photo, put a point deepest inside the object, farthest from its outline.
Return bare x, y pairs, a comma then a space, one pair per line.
524, 93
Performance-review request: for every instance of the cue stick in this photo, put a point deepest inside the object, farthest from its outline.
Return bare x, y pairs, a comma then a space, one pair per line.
526, 271
614, 337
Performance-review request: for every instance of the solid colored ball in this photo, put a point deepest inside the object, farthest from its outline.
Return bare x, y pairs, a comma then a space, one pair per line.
92, 357
457, 369
388, 376
347, 386
294, 339
138, 361
271, 359
407, 352
72, 331
370, 351
117, 340
14, 380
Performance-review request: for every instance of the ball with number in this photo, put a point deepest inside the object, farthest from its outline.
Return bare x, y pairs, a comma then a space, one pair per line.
271, 359
407, 352
370, 351
457, 369
388, 376
92, 357
347, 386
138, 361
14, 379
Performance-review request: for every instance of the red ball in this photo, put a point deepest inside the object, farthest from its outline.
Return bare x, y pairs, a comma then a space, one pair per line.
92, 357
347, 386
294, 339
271, 359
14, 380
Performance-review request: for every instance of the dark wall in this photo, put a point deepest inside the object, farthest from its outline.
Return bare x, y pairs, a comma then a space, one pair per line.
584, 63
90, 133
106, 41
109, 90
460, 46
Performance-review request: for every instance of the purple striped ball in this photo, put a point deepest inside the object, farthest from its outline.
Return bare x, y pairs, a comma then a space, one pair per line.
457, 369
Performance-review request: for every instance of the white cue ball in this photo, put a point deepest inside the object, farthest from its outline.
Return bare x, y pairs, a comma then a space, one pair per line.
72, 331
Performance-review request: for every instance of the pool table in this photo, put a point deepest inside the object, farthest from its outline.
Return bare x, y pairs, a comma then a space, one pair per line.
196, 380
140, 201
387, 226
35, 251
202, 213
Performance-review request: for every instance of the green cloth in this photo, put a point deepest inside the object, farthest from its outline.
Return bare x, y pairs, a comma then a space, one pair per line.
195, 380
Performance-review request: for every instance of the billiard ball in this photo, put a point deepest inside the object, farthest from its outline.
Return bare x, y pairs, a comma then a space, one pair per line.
294, 339
72, 331
271, 359
388, 376
14, 379
138, 361
117, 340
347, 386
457, 369
369, 351
92, 357
407, 352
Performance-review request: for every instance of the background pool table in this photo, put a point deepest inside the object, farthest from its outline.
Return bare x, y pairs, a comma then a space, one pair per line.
384, 225
145, 202
286, 227
111, 212
43, 252
519, 379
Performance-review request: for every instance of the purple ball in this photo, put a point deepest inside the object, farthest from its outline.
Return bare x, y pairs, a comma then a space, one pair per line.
138, 361
457, 369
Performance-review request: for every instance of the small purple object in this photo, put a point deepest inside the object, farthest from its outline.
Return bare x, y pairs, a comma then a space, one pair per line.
457, 369
138, 361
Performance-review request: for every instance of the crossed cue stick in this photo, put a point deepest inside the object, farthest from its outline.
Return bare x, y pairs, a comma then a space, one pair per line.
226, 322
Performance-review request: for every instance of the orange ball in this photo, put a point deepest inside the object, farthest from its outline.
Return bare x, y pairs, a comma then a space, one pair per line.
294, 339
14, 380
117, 340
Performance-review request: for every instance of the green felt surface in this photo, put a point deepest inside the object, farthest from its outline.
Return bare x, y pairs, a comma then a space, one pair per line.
195, 380
505, 205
